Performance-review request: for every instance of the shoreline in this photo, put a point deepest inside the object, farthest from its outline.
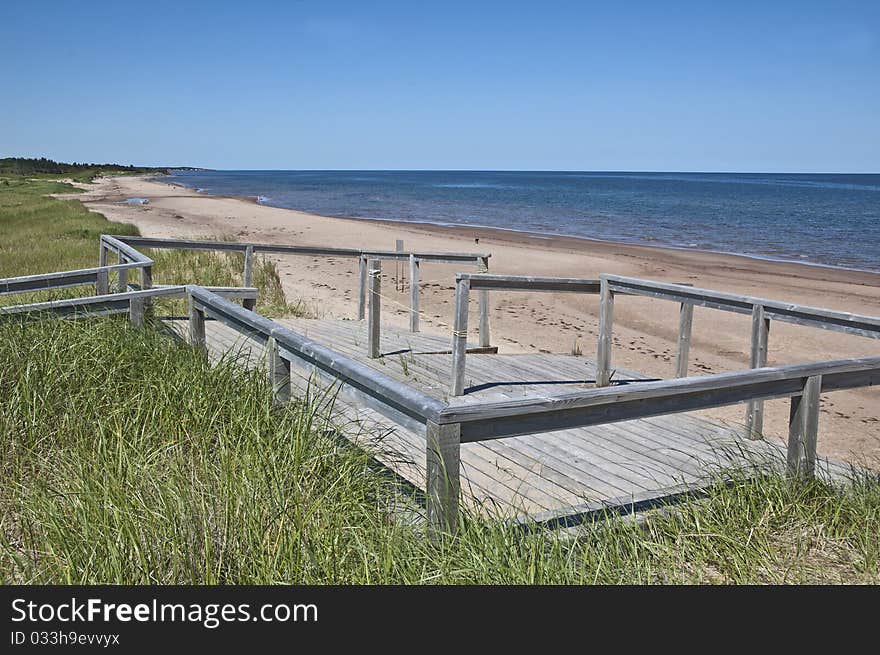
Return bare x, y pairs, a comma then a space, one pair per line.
645, 330
524, 237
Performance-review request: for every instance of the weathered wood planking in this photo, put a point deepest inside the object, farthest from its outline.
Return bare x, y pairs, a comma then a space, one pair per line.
543, 475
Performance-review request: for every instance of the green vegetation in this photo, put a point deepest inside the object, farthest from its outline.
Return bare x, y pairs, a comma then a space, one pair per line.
41, 234
222, 270
127, 458
82, 172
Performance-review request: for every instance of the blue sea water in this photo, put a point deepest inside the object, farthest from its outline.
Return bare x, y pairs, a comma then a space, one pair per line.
829, 219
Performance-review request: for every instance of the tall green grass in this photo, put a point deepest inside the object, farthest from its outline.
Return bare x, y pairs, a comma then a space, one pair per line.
41, 234
127, 458
223, 269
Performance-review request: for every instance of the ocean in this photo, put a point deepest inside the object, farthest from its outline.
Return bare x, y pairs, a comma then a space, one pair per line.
823, 219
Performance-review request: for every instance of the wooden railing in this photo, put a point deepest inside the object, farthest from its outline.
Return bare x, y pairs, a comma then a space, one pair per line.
762, 311
132, 303
364, 257
484, 283
446, 426
396, 400
99, 277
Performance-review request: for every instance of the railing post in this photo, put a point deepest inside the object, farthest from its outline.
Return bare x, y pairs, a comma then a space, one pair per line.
123, 277
803, 429
375, 274
136, 311
685, 326
197, 326
413, 294
102, 283
279, 374
102, 253
147, 283
757, 359
398, 267
248, 276
443, 455
459, 334
485, 339
606, 319
362, 287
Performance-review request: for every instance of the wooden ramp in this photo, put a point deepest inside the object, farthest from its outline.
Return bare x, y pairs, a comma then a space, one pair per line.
545, 477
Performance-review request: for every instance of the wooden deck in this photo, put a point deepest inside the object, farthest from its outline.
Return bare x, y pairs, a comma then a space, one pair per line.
550, 476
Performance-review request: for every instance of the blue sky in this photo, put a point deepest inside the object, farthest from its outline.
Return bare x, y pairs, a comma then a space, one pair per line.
738, 86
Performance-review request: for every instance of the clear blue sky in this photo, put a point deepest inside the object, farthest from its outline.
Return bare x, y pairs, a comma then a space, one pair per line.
737, 86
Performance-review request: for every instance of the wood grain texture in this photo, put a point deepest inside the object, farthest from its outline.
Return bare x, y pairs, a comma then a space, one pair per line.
374, 316
459, 335
757, 359
803, 429
413, 294
685, 328
605, 341
443, 486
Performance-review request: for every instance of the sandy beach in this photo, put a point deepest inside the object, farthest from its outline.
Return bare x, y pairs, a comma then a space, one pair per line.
645, 329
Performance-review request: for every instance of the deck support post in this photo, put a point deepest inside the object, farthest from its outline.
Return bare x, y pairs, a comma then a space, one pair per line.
758, 359
459, 335
803, 429
362, 287
485, 338
136, 311
279, 373
197, 327
442, 487
685, 326
413, 293
248, 276
606, 319
375, 274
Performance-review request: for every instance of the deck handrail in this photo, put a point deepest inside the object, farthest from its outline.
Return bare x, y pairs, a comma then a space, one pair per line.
379, 391
484, 283
819, 317
241, 246
63, 279
249, 249
130, 302
762, 311
485, 420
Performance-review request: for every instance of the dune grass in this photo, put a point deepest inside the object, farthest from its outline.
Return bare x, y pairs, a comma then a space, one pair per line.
41, 234
127, 458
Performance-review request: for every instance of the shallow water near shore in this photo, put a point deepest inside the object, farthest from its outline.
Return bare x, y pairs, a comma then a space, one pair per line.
829, 219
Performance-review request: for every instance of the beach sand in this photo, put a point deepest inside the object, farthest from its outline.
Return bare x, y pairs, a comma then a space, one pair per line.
645, 330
